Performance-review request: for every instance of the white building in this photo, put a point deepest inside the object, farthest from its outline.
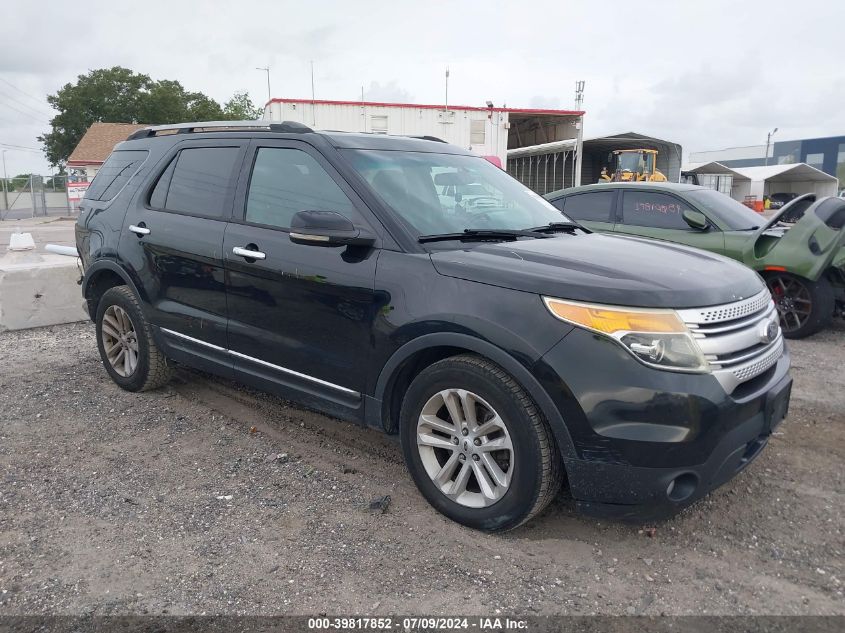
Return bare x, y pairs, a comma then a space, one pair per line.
488, 131
756, 182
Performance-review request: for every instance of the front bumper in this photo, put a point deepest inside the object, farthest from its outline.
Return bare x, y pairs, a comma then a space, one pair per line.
647, 442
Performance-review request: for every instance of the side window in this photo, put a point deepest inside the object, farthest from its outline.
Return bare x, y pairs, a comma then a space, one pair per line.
118, 169
285, 181
652, 209
197, 181
595, 206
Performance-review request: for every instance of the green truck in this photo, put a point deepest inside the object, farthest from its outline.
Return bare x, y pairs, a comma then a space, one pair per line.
799, 251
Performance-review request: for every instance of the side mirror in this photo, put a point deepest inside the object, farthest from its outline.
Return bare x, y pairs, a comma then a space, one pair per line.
696, 220
327, 228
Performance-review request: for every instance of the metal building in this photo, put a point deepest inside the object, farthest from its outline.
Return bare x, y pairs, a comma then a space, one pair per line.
550, 166
488, 131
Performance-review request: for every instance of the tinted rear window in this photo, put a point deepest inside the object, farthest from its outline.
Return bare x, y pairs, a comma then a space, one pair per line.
115, 173
198, 181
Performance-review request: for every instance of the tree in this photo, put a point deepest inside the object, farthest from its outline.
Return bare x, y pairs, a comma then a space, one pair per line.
108, 94
119, 95
241, 108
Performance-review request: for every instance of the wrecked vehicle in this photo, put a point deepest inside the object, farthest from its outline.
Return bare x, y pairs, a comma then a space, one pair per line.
508, 348
800, 251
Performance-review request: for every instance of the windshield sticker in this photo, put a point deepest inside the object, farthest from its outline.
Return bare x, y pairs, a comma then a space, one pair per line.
656, 207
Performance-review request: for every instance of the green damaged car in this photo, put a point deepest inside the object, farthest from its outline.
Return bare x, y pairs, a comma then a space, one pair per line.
799, 251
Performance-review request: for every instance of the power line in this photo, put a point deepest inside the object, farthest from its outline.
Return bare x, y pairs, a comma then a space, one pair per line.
22, 148
25, 105
31, 116
40, 101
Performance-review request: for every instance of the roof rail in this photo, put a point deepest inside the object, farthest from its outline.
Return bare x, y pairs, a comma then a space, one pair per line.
290, 127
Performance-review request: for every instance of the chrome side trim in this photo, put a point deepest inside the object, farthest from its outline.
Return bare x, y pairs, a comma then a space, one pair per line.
291, 372
193, 340
284, 370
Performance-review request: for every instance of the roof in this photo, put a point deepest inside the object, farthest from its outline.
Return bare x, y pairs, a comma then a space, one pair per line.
717, 168
793, 171
784, 173
263, 128
429, 106
99, 140
660, 186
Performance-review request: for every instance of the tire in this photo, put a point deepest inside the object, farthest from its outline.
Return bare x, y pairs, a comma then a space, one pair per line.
531, 468
804, 306
120, 313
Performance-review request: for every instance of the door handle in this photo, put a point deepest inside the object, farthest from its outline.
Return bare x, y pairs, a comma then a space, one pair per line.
247, 253
139, 230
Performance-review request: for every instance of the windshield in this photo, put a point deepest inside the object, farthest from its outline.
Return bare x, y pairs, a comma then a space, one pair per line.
447, 193
733, 215
630, 161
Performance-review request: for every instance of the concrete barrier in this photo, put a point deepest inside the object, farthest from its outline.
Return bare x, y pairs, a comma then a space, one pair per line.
38, 289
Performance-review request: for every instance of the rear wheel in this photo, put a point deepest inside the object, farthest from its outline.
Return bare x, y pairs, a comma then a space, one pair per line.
804, 306
476, 445
124, 339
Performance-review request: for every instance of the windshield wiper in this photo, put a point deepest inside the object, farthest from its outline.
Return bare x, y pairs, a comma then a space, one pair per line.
555, 227
472, 235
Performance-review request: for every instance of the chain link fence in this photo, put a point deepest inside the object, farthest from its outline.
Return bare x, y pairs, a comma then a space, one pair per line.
34, 196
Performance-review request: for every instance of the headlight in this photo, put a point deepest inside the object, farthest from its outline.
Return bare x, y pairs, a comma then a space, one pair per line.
656, 337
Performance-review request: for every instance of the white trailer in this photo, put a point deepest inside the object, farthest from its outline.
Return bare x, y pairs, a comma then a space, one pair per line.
488, 131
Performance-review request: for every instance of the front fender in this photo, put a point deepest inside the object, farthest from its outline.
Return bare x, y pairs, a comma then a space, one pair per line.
484, 348
808, 248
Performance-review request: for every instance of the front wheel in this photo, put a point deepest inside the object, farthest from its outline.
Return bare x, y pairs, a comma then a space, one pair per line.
804, 306
476, 445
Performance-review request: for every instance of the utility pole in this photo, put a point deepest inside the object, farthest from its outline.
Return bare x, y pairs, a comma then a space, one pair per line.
579, 94
447, 89
768, 142
266, 69
5, 184
579, 124
313, 105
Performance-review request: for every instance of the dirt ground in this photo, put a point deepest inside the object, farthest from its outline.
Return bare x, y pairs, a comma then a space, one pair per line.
171, 502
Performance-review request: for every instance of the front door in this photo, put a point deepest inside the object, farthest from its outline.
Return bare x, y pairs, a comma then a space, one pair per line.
659, 215
300, 317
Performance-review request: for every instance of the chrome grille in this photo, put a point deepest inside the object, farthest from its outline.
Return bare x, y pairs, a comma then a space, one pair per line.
734, 338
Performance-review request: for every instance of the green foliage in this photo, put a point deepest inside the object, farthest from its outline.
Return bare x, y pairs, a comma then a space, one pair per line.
18, 183
119, 95
241, 108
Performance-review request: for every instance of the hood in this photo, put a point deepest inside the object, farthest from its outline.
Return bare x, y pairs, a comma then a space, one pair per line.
625, 271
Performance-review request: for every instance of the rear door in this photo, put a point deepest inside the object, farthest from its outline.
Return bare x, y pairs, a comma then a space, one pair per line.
300, 319
593, 209
659, 215
172, 242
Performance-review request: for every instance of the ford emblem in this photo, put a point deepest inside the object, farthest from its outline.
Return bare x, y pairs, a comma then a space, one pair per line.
768, 331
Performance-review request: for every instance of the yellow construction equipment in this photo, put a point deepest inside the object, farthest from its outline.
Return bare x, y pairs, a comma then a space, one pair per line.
632, 165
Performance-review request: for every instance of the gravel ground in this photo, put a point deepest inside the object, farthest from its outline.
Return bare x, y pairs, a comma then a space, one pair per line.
205, 497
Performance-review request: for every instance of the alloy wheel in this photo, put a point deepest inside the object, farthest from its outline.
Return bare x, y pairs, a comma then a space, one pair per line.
120, 341
465, 448
792, 300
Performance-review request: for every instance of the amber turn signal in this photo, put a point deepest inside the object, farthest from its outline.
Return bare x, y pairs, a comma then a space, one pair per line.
609, 320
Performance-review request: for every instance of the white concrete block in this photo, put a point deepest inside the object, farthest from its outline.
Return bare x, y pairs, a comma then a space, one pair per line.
38, 293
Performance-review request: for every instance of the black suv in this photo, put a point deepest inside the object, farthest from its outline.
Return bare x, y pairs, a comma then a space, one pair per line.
509, 348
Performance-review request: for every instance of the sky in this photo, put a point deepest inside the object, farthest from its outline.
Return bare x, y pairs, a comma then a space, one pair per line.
707, 74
